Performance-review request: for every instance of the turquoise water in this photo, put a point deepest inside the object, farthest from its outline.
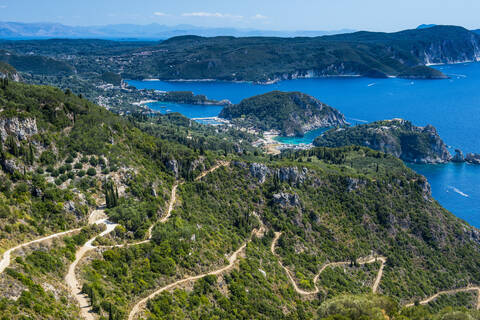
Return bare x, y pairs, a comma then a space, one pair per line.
306, 139
452, 106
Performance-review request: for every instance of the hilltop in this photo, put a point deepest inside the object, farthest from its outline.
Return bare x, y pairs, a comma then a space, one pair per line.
369, 54
291, 113
397, 137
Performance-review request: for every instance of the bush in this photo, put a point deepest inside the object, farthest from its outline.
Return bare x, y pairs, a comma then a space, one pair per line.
81, 173
91, 171
78, 165
93, 161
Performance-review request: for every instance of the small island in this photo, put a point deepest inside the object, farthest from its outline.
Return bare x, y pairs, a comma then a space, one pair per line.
290, 113
396, 137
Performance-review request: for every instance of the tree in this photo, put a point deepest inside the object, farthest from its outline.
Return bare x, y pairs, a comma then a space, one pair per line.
111, 194
91, 171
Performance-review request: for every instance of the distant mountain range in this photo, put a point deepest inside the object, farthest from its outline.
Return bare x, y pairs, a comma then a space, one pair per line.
17, 30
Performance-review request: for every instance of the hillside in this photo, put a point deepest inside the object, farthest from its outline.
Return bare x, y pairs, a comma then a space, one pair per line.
36, 64
8, 72
291, 113
159, 217
422, 72
397, 137
259, 59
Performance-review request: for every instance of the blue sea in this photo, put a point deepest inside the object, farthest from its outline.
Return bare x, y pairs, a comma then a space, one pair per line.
451, 105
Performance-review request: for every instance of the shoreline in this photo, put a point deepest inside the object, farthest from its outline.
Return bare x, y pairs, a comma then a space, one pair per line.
276, 80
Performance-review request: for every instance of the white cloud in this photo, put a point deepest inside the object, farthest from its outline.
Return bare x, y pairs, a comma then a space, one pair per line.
259, 16
159, 14
211, 15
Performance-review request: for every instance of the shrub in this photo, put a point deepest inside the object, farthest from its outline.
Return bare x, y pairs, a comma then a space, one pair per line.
91, 171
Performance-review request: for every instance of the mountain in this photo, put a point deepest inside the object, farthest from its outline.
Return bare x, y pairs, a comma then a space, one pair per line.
202, 226
267, 59
291, 113
17, 30
259, 59
397, 137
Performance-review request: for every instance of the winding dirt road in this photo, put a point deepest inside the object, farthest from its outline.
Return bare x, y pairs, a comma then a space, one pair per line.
360, 261
6, 258
231, 263
71, 279
436, 295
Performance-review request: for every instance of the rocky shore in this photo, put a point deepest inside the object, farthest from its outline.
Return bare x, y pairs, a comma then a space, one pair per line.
472, 158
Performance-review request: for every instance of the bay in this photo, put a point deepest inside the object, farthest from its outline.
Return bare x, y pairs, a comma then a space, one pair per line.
451, 105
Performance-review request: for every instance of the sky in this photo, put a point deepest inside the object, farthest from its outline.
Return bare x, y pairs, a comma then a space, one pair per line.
374, 15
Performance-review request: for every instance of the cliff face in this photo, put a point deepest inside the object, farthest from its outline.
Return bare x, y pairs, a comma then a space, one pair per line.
21, 128
291, 113
8, 72
396, 137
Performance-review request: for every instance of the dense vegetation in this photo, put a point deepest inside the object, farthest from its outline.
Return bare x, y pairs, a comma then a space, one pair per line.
422, 72
397, 137
65, 155
291, 113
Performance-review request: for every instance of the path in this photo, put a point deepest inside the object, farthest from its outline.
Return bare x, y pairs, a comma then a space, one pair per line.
231, 263
360, 261
173, 200
215, 167
436, 295
71, 279
6, 259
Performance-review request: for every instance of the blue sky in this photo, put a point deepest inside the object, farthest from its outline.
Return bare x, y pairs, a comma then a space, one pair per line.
384, 15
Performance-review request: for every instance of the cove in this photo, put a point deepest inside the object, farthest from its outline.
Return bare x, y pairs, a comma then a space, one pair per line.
451, 105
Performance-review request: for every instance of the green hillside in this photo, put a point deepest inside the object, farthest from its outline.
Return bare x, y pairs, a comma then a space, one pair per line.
63, 158
291, 113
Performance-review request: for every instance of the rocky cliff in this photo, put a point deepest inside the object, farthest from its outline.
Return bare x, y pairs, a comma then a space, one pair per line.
21, 128
291, 113
397, 137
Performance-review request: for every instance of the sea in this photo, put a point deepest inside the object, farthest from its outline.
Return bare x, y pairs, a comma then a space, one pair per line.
451, 105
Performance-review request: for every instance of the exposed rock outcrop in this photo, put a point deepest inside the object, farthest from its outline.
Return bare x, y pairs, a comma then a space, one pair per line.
286, 199
458, 157
21, 128
473, 158
259, 171
292, 175
10, 166
172, 165
397, 137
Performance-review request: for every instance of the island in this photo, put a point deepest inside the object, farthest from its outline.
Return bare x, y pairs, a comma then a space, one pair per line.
397, 137
290, 113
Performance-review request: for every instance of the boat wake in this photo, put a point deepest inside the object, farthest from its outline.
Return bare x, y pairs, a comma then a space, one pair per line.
371, 84
458, 191
358, 120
